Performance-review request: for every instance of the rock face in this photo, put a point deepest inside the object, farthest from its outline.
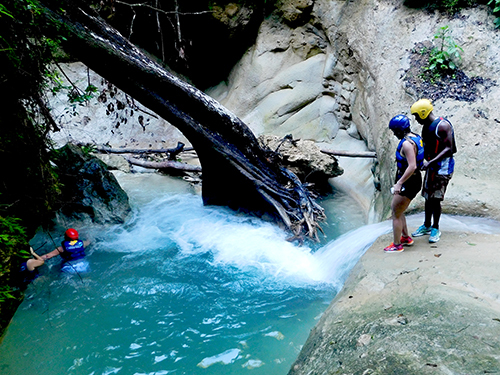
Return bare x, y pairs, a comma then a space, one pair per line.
111, 117
338, 76
90, 192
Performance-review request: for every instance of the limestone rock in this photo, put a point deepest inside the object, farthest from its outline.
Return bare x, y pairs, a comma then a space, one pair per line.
114, 162
304, 158
110, 118
233, 16
295, 10
429, 314
91, 193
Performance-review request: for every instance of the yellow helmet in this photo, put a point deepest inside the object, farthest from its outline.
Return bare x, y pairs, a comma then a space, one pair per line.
422, 107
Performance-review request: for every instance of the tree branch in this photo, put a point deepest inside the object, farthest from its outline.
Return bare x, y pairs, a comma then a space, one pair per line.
143, 5
163, 165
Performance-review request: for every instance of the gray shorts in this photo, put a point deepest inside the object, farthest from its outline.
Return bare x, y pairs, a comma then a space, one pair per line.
435, 185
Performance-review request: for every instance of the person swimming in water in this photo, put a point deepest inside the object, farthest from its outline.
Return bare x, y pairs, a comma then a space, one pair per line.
29, 269
72, 251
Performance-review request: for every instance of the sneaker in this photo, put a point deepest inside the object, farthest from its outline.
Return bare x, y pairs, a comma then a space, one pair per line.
406, 241
435, 235
394, 248
421, 231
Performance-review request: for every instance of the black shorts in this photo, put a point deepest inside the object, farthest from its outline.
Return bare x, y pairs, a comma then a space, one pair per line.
412, 186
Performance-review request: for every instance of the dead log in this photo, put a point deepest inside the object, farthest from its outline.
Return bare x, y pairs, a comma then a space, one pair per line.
351, 154
237, 171
172, 152
168, 164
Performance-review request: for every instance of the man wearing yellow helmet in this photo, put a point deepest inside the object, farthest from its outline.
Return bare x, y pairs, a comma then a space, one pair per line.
439, 147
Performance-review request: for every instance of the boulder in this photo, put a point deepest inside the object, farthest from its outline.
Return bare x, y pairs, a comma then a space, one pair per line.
304, 158
90, 192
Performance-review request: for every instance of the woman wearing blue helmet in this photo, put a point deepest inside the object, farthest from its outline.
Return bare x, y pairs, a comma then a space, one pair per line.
409, 160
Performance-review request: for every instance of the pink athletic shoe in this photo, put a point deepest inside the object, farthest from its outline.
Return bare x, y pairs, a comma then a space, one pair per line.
394, 248
406, 241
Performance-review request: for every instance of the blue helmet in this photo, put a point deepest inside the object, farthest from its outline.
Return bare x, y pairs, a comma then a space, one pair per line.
399, 122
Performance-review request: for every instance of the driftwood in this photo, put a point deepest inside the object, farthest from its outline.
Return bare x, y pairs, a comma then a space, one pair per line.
237, 171
366, 154
172, 152
168, 164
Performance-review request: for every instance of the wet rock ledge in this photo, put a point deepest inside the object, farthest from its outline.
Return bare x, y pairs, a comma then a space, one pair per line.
433, 309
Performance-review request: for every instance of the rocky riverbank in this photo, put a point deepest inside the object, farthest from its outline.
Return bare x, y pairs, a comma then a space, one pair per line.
433, 309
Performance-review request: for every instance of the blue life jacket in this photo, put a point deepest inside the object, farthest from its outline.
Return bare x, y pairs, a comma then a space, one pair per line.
73, 250
402, 162
434, 145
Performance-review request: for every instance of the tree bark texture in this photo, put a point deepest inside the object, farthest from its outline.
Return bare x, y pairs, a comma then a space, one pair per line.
237, 172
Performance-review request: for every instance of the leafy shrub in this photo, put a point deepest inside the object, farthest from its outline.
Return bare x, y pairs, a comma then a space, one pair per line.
495, 4
13, 240
444, 57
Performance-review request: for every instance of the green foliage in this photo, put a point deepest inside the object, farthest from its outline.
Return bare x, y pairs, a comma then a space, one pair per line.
29, 188
28, 53
454, 6
495, 4
4, 11
87, 149
13, 241
11, 233
444, 57
77, 96
6, 292
54, 82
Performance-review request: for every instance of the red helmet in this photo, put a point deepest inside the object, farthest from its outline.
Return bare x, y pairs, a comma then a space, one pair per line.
71, 233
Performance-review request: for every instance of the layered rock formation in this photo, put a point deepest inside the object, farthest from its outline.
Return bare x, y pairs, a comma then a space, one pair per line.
338, 76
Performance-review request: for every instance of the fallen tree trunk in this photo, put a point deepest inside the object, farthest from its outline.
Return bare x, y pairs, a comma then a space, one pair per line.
168, 164
366, 154
237, 172
172, 152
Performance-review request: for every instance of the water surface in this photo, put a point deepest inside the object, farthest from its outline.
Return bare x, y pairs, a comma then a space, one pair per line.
183, 289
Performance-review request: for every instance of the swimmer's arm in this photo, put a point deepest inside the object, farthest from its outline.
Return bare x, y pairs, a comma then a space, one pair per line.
53, 253
31, 264
35, 255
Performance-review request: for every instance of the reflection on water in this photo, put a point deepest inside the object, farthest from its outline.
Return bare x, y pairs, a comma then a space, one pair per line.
184, 289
